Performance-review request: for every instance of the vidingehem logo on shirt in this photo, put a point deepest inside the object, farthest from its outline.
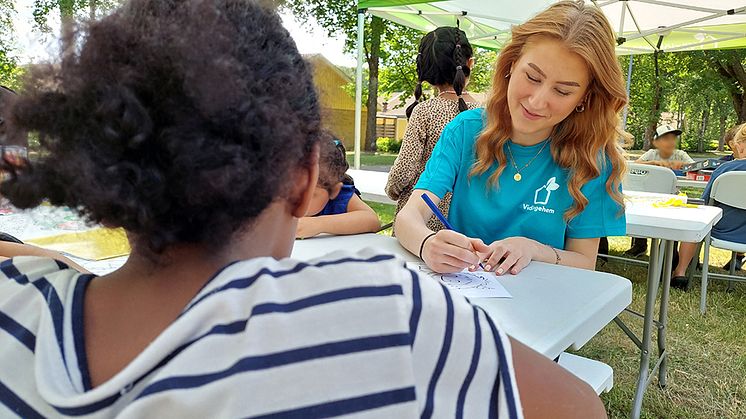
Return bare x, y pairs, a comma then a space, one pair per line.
542, 197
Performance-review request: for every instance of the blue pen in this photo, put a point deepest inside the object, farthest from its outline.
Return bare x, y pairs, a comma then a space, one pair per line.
440, 216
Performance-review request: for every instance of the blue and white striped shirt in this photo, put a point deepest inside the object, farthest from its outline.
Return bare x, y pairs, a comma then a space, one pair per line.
348, 334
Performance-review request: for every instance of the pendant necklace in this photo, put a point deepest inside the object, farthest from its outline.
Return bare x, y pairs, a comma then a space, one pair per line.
517, 176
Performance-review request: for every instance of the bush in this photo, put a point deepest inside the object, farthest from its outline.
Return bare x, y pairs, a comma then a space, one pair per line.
388, 145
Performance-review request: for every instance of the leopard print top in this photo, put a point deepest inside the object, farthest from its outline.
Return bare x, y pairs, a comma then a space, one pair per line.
423, 130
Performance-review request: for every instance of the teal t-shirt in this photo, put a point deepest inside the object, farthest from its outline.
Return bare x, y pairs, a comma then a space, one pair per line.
533, 207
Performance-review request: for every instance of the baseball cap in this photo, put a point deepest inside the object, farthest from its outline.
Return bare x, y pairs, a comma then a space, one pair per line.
665, 129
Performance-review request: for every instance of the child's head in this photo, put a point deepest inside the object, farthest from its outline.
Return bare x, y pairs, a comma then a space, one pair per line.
728, 137
181, 121
332, 168
738, 143
444, 58
665, 139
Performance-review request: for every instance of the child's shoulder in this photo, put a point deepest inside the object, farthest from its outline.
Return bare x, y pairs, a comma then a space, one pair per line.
737, 165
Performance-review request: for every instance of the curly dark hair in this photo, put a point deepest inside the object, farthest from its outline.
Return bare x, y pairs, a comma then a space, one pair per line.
177, 120
442, 58
9, 134
332, 164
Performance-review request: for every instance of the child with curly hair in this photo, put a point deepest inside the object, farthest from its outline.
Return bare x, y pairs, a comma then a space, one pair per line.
195, 126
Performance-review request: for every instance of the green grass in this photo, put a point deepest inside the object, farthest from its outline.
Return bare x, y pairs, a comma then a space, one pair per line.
707, 354
372, 159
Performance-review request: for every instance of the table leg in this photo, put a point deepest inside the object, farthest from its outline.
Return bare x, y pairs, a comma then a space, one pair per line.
705, 269
663, 319
653, 282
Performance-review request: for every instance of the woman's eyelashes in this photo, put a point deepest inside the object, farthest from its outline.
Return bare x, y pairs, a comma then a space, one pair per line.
536, 80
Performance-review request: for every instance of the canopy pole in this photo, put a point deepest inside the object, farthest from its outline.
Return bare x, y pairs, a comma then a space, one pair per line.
629, 85
359, 85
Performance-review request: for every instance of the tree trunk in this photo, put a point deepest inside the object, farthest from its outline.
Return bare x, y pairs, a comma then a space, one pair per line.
702, 130
92, 9
679, 112
733, 74
67, 24
376, 30
721, 131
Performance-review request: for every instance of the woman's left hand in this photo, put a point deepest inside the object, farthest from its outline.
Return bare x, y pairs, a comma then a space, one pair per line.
510, 255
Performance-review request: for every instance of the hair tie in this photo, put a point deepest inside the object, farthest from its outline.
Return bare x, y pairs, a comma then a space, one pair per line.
458, 68
458, 46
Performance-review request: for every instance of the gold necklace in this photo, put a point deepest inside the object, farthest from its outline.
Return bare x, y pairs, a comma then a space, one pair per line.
517, 176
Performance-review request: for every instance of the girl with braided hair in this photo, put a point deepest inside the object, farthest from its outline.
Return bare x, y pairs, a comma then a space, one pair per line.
445, 60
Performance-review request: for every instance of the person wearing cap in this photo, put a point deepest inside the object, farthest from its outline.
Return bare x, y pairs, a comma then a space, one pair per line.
665, 152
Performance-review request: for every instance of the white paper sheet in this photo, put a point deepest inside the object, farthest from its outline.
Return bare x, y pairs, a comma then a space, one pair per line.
477, 284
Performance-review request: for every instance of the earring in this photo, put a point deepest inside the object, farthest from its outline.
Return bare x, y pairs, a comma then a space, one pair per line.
580, 108
507, 75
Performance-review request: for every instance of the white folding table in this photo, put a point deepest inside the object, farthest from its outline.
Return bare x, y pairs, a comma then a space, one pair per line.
664, 226
553, 307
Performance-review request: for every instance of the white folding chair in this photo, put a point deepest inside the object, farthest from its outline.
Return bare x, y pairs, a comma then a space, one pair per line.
727, 189
646, 178
649, 178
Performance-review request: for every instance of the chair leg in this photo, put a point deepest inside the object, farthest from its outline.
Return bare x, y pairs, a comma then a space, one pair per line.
693, 264
705, 268
732, 271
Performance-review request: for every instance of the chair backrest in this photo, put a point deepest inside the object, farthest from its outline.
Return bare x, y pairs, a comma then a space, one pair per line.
728, 189
649, 178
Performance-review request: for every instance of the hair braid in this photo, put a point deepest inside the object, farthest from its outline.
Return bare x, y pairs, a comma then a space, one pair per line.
459, 80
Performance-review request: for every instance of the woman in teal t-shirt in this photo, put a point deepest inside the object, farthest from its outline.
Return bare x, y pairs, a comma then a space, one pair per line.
537, 174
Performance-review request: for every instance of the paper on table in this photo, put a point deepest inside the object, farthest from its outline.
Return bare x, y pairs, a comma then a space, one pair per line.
477, 284
95, 244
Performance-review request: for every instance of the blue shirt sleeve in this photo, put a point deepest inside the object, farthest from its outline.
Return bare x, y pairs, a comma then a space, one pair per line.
442, 168
602, 216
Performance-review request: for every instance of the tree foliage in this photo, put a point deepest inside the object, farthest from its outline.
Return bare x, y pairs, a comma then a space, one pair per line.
9, 70
693, 95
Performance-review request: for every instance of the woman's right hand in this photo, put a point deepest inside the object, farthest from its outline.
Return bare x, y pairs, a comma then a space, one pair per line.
449, 251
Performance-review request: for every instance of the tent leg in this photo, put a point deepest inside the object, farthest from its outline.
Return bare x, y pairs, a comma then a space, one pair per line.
629, 84
359, 85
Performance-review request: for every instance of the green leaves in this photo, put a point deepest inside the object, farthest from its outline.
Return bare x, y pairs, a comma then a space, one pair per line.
698, 88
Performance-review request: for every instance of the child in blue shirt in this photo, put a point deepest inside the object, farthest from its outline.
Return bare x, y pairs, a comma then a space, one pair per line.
536, 175
336, 207
732, 226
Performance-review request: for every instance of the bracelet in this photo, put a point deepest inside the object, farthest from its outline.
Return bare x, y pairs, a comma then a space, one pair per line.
422, 246
556, 254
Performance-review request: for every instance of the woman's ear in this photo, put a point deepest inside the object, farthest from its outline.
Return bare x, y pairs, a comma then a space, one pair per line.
305, 184
470, 63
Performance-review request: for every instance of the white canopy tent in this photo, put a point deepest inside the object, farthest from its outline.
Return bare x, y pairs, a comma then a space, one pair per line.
642, 26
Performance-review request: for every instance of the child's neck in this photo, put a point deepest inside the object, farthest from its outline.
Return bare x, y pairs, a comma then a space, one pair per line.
665, 154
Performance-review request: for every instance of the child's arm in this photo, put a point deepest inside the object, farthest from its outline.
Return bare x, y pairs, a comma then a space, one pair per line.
359, 218
9, 250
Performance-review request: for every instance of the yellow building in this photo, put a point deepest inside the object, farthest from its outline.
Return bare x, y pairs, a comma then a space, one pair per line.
391, 119
337, 105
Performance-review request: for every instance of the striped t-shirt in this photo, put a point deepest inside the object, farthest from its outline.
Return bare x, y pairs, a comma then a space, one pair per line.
348, 334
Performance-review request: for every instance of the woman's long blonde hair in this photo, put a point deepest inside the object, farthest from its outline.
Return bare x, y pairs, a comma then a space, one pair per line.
578, 141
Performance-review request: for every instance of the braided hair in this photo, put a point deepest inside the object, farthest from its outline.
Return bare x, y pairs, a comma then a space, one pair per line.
442, 59
332, 164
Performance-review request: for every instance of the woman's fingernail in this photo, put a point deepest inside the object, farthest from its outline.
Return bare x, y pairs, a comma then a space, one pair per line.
472, 267
488, 268
500, 271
